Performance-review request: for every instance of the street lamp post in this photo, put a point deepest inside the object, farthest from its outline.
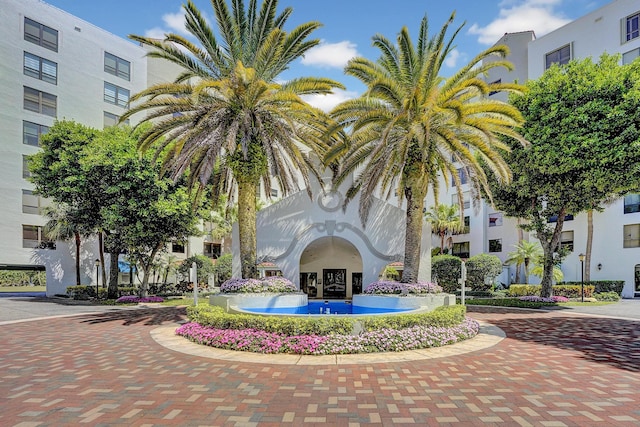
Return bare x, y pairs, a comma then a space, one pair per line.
581, 258
97, 264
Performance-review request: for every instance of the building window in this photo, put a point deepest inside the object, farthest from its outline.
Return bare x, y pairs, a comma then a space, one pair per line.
554, 218
116, 95
112, 120
460, 249
560, 56
462, 176
117, 66
41, 35
566, 240
31, 133
274, 192
212, 250
32, 203
629, 57
466, 200
33, 238
495, 245
631, 203
40, 68
632, 28
26, 173
467, 227
495, 219
495, 83
177, 248
631, 236
40, 102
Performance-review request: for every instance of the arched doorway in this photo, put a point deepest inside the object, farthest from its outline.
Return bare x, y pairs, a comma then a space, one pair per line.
331, 268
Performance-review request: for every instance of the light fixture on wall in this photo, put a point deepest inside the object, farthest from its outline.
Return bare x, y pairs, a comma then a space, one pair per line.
599, 266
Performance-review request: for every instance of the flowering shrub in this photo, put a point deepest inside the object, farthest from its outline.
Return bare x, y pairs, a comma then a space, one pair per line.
553, 299
133, 299
367, 342
389, 287
274, 284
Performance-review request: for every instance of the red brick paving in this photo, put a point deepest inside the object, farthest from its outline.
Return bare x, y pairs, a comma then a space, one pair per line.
553, 369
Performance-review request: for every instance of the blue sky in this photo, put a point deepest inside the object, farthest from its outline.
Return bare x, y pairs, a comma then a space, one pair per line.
348, 25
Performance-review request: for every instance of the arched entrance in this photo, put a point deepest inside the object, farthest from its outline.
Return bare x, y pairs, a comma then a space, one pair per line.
331, 268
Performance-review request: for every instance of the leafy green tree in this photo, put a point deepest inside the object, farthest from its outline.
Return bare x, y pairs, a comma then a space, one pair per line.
223, 268
140, 211
54, 172
204, 266
482, 270
446, 270
583, 124
525, 254
412, 127
226, 119
444, 220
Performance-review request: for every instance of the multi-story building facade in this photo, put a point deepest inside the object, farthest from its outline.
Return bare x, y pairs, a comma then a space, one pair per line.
54, 65
614, 29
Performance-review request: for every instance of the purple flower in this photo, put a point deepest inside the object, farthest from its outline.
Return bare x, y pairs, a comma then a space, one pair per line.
391, 287
133, 299
274, 284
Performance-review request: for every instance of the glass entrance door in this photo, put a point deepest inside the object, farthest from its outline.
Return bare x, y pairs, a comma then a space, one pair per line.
334, 283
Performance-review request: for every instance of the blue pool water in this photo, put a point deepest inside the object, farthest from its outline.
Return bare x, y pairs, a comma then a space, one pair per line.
320, 307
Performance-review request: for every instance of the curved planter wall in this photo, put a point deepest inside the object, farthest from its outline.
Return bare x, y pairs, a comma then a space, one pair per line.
362, 304
425, 303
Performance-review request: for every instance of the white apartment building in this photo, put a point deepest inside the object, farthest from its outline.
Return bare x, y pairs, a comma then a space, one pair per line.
614, 29
54, 65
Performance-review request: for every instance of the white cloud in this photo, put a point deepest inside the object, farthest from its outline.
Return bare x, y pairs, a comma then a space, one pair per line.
327, 102
155, 33
175, 22
452, 59
333, 55
540, 16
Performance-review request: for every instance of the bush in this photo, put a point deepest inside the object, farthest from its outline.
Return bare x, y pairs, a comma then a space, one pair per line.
601, 286
275, 284
82, 292
446, 270
223, 268
216, 317
133, 299
441, 317
569, 291
205, 268
384, 287
607, 296
510, 302
482, 270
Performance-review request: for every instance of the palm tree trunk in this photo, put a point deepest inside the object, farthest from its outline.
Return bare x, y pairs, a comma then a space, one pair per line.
77, 238
247, 192
413, 234
587, 257
520, 238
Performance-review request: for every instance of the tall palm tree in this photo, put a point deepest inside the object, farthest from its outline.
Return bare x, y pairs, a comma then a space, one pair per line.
225, 119
444, 220
411, 126
62, 225
525, 253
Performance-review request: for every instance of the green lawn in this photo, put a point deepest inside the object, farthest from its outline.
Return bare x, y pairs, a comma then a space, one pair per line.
23, 288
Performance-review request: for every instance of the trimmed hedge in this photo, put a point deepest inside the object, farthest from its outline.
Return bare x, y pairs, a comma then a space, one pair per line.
446, 269
216, 317
509, 302
569, 291
601, 286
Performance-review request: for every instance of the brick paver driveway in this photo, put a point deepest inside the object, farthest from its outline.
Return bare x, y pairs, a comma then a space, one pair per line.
553, 369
